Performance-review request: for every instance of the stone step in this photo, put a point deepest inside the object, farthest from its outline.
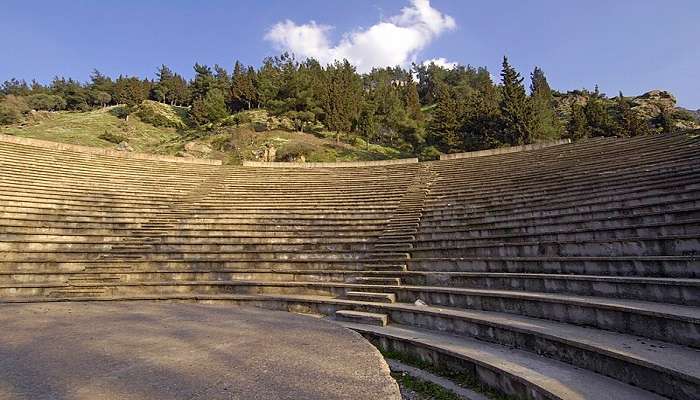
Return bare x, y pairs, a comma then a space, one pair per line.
362, 317
371, 297
372, 280
651, 266
514, 372
387, 267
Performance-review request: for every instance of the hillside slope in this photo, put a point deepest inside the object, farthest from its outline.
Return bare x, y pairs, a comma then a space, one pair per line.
168, 132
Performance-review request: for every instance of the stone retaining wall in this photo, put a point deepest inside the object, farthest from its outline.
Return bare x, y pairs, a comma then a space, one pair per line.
329, 164
503, 150
101, 151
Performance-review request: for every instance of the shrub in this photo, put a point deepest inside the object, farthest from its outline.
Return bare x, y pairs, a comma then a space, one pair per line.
294, 150
46, 102
112, 137
11, 109
429, 153
158, 114
120, 112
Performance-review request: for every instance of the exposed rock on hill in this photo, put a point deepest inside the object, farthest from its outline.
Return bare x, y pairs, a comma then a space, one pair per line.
651, 104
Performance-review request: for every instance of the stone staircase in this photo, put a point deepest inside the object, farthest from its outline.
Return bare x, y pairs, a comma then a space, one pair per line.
397, 237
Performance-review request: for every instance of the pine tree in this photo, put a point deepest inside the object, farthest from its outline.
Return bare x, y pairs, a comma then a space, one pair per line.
413, 107
515, 107
482, 118
367, 122
163, 88
577, 128
444, 125
341, 97
629, 123
211, 108
202, 82
599, 120
179, 91
545, 125
242, 88
130, 91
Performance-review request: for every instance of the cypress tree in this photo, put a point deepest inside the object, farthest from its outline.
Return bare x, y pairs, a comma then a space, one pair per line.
341, 97
577, 128
515, 108
445, 123
242, 88
412, 101
545, 124
163, 89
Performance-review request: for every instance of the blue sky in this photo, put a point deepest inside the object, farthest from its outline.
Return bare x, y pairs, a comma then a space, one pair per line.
628, 45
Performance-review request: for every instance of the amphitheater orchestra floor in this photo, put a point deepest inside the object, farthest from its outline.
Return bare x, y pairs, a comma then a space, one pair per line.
152, 351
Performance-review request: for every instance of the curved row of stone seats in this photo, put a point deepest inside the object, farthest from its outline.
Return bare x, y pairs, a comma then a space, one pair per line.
531, 282
602, 235
69, 225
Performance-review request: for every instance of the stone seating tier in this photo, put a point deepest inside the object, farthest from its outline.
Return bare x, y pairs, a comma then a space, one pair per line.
569, 270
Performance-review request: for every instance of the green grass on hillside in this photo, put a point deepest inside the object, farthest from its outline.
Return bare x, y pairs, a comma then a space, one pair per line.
85, 128
232, 144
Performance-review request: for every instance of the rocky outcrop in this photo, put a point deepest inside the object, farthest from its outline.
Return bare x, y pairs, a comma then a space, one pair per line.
652, 104
124, 146
197, 149
267, 153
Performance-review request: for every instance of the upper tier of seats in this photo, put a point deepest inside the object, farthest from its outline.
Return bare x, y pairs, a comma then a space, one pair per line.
565, 272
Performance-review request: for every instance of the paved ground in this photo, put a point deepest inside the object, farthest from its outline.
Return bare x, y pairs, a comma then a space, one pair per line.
150, 351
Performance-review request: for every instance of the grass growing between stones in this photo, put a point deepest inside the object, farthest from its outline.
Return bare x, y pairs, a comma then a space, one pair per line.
460, 378
423, 388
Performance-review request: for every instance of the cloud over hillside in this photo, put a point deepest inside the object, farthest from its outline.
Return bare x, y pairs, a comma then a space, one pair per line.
392, 41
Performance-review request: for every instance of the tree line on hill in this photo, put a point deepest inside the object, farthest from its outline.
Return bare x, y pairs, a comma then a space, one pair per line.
421, 110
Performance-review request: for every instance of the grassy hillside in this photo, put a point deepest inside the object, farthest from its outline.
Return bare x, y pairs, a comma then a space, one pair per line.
161, 129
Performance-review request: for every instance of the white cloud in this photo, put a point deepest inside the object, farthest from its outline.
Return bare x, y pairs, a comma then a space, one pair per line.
394, 41
441, 62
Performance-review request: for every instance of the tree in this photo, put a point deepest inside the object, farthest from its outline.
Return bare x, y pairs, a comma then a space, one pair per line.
367, 122
482, 122
202, 82
45, 101
130, 91
341, 97
598, 117
664, 121
515, 108
545, 124
211, 108
577, 128
163, 89
242, 87
73, 93
179, 91
628, 122
412, 100
445, 125
15, 87
101, 83
11, 109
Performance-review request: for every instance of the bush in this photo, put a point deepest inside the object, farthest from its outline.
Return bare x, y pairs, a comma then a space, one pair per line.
11, 109
120, 112
211, 109
294, 150
429, 153
112, 137
46, 102
158, 114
